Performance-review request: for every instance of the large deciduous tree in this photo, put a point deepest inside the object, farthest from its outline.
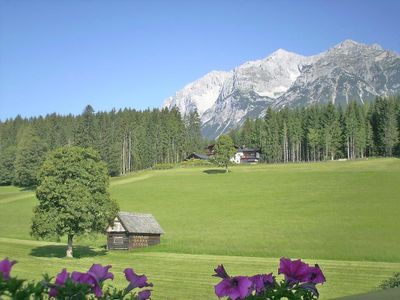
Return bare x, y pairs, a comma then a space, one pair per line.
73, 195
224, 151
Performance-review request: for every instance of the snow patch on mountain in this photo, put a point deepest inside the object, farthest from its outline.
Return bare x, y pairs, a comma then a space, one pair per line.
349, 71
200, 94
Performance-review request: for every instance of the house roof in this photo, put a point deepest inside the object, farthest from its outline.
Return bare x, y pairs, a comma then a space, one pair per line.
198, 155
249, 149
139, 223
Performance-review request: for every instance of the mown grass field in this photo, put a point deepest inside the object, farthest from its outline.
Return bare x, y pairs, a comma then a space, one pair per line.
343, 215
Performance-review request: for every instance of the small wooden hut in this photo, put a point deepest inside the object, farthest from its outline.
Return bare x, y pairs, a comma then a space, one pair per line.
133, 230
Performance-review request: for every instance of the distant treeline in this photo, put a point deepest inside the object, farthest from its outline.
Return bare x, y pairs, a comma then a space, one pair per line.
127, 140
323, 132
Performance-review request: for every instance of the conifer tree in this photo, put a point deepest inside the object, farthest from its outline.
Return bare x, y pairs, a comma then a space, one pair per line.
331, 131
390, 133
7, 159
194, 140
295, 134
85, 133
351, 128
29, 157
384, 123
271, 145
313, 133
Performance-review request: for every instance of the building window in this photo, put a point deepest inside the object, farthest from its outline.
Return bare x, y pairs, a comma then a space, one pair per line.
118, 240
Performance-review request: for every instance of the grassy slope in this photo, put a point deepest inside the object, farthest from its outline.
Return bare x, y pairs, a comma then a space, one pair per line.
340, 214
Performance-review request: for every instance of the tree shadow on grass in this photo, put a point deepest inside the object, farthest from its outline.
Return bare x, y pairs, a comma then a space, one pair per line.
214, 171
59, 251
28, 188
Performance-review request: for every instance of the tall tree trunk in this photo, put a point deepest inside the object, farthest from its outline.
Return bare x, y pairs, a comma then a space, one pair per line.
299, 153
293, 152
69, 248
122, 157
326, 154
129, 150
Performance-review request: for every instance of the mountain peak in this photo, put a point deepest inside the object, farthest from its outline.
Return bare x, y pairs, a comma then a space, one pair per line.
199, 94
348, 43
347, 71
282, 53
348, 46
377, 46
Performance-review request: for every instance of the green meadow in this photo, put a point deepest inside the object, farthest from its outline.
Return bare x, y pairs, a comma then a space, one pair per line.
342, 215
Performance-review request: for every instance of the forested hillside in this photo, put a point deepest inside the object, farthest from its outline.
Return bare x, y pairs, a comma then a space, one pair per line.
127, 140
323, 132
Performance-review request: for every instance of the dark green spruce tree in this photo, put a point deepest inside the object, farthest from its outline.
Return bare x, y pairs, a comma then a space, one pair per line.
85, 132
7, 169
194, 140
30, 154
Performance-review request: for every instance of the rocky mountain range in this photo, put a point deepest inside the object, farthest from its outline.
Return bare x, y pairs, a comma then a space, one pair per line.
349, 71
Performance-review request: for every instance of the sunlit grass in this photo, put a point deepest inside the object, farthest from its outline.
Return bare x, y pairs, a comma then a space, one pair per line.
343, 215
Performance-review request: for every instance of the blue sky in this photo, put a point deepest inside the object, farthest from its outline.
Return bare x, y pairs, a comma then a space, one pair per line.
58, 56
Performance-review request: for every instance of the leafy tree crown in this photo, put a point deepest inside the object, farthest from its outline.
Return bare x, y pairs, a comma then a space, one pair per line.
73, 194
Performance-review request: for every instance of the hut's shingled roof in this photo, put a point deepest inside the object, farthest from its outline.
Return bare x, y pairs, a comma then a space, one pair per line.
139, 223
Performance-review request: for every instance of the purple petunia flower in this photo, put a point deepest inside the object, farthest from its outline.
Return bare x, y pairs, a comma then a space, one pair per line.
220, 272
94, 277
135, 280
315, 275
60, 281
97, 291
100, 273
79, 277
237, 287
294, 270
5, 268
144, 295
261, 281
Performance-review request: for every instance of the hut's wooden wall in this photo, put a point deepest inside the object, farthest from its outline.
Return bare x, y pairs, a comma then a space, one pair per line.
120, 241
154, 239
117, 241
143, 240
